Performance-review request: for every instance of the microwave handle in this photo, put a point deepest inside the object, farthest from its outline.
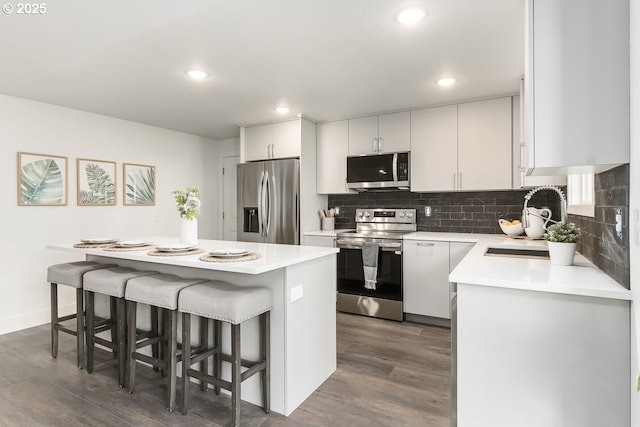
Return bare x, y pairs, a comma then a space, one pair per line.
395, 167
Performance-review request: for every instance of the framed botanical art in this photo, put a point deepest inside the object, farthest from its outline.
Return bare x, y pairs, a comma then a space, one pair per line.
96, 182
139, 185
42, 180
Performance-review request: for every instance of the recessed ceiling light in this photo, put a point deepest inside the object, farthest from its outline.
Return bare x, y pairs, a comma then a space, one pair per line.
283, 109
446, 81
410, 15
197, 74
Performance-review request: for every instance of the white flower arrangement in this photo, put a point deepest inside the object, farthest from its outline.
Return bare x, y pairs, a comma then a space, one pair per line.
188, 202
563, 233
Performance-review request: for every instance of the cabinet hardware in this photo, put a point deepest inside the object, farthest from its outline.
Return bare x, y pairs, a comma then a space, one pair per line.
374, 145
454, 181
380, 144
425, 244
460, 181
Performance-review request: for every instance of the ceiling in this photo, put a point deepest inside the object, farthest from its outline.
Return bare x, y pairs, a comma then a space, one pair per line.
326, 59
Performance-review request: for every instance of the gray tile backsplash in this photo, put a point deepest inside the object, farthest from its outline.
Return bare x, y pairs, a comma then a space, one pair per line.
455, 212
599, 242
479, 212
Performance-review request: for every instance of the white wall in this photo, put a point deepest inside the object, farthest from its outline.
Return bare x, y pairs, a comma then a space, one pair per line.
634, 207
180, 159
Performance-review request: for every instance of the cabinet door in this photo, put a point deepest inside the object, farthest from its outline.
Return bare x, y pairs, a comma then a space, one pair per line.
286, 139
363, 136
324, 241
394, 132
578, 85
426, 278
434, 149
257, 141
332, 149
484, 145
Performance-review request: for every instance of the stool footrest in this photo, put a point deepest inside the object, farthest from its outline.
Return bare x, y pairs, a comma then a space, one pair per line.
218, 382
154, 361
148, 341
67, 317
106, 343
67, 330
200, 355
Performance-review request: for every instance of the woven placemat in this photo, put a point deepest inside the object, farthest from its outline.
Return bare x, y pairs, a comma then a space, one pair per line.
251, 256
91, 245
194, 251
130, 248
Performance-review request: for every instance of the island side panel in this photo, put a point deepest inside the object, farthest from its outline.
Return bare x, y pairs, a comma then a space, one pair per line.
275, 280
529, 358
311, 328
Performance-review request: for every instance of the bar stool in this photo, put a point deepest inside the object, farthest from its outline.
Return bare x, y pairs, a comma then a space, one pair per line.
232, 304
69, 274
111, 282
161, 291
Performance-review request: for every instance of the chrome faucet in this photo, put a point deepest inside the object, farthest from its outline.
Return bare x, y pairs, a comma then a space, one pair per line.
563, 204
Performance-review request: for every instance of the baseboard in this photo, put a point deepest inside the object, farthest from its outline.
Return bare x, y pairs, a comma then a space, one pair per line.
29, 320
436, 321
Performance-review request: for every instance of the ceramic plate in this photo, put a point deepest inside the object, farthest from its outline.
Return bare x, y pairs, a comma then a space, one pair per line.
131, 243
229, 253
99, 240
177, 247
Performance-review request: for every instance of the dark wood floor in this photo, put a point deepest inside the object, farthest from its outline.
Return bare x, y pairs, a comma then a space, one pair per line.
389, 374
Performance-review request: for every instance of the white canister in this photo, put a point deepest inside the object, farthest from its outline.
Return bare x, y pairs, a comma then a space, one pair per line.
328, 224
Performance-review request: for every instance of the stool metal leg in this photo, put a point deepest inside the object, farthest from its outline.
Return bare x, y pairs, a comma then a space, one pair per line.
186, 358
204, 343
217, 361
113, 312
54, 320
265, 351
131, 343
172, 359
80, 327
90, 298
155, 348
122, 340
236, 375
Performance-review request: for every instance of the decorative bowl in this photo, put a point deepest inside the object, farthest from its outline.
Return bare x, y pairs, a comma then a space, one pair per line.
511, 229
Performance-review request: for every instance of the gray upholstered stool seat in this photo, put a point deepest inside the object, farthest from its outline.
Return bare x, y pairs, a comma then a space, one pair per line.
224, 302
111, 282
69, 274
157, 290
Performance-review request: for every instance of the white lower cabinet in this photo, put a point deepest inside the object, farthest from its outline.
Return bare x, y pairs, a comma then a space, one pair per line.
426, 268
325, 241
426, 278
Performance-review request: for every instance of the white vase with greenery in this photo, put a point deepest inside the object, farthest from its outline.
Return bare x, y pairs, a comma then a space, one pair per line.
188, 204
561, 240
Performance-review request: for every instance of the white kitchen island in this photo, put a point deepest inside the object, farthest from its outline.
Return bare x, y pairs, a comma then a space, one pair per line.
539, 344
303, 319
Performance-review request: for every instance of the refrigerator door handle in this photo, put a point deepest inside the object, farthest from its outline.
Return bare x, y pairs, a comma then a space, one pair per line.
261, 196
267, 205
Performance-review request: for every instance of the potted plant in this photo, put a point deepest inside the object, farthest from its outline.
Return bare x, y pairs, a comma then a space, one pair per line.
561, 240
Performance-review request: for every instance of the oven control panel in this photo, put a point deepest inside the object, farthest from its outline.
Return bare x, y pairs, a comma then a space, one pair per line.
405, 216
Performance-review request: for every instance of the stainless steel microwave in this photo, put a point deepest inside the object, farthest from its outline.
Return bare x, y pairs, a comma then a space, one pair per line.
379, 171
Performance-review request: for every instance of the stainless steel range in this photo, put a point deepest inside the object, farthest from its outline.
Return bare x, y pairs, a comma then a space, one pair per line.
370, 263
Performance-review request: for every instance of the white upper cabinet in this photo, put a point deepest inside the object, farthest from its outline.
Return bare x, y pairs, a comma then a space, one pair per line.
332, 150
484, 145
270, 141
462, 147
520, 178
434, 149
577, 85
386, 133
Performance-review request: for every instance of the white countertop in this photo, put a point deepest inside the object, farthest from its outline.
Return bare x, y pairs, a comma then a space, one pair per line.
582, 278
273, 256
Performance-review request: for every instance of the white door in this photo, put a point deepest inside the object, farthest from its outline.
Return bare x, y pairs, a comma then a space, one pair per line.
229, 197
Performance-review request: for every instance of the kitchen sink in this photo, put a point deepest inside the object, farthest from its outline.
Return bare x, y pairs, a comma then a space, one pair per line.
518, 252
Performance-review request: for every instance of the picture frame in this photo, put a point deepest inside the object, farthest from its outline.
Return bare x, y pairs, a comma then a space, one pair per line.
42, 179
97, 182
139, 185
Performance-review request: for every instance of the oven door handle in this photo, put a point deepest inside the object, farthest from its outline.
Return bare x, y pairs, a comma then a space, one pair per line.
341, 243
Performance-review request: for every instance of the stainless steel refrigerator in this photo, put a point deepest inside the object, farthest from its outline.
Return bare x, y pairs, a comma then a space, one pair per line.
269, 201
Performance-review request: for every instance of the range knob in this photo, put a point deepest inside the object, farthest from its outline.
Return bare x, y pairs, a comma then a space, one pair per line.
367, 214
360, 214
401, 214
409, 214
